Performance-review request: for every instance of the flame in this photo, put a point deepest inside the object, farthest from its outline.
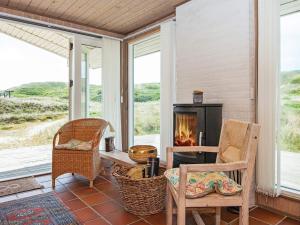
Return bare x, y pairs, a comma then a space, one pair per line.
183, 129
184, 134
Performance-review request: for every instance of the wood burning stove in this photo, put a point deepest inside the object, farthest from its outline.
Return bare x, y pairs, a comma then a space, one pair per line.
193, 125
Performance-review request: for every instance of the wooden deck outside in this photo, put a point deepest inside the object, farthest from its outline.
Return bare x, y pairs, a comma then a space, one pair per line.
24, 162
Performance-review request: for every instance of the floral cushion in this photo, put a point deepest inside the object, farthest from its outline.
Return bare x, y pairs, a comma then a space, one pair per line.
200, 184
75, 144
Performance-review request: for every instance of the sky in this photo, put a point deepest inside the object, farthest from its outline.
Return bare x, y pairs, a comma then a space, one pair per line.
290, 42
147, 69
24, 63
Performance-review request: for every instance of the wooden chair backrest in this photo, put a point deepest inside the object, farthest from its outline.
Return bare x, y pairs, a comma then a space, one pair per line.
250, 157
234, 133
248, 147
82, 129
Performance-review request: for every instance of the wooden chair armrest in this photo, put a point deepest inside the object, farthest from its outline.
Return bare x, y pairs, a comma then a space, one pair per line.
182, 182
216, 167
214, 149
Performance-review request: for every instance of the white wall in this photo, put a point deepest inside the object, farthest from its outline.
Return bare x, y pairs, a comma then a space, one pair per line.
215, 53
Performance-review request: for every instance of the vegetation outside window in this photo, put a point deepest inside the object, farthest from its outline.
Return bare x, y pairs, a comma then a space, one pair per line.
289, 133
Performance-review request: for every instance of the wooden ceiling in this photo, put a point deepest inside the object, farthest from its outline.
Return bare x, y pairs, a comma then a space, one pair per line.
118, 16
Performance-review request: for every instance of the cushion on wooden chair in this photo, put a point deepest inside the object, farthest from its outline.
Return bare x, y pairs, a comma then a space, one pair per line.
200, 184
75, 144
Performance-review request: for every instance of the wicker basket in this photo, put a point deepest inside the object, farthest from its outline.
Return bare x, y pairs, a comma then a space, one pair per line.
144, 196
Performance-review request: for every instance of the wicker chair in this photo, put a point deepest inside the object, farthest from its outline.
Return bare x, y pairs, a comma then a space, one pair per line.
83, 162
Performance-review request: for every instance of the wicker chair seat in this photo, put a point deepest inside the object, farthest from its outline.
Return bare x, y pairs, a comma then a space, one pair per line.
75, 144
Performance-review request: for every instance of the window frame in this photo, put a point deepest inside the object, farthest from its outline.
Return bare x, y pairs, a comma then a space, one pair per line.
285, 191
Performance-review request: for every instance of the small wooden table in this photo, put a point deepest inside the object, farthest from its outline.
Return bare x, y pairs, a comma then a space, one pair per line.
122, 158
118, 157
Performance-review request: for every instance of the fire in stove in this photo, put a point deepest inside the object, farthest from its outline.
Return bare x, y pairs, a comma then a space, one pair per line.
185, 133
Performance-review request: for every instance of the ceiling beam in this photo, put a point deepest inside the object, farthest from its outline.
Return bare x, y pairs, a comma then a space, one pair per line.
13, 13
155, 26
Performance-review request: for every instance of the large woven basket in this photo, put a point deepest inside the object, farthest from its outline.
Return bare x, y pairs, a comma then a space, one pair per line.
144, 196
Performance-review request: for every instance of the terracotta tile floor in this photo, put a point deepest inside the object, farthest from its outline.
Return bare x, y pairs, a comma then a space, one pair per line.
101, 205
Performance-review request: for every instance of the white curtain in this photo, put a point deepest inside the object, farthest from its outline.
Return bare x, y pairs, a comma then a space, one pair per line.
111, 86
167, 89
268, 168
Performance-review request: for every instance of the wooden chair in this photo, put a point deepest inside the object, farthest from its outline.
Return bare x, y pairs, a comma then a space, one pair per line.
83, 162
245, 165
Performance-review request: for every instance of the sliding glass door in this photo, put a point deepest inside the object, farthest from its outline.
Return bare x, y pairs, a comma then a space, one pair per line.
33, 96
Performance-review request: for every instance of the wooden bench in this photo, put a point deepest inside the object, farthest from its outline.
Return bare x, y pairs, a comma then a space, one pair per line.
122, 158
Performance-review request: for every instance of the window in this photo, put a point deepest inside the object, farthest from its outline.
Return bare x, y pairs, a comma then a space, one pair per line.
289, 133
144, 106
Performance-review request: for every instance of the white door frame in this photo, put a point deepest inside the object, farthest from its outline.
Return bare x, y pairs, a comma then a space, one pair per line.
75, 71
70, 85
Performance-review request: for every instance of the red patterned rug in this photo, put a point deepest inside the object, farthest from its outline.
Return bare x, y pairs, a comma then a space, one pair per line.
44, 209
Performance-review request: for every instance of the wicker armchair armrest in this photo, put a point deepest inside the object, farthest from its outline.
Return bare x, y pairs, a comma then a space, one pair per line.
55, 137
96, 139
98, 135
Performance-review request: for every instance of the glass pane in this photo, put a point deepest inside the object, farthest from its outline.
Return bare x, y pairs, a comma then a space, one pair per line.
91, 90
95, 88
147, 99
289, 142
